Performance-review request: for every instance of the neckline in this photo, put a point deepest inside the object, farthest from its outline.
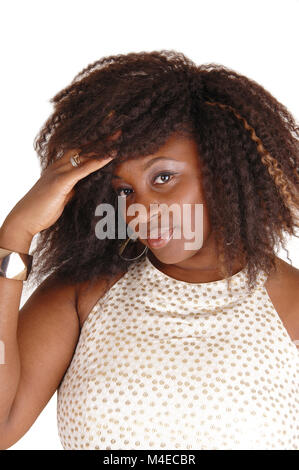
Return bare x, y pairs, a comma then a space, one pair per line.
203, 297
235, 278
169, 293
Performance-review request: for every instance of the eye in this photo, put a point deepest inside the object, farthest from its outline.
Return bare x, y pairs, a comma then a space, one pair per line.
164, 174
119, 190
167, 174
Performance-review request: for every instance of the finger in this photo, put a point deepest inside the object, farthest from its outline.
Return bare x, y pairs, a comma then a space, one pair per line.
65, 157
74, 174
86, 163
62, 161
69, 196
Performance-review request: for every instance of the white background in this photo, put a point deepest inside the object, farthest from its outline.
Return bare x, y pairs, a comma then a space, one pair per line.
44, 44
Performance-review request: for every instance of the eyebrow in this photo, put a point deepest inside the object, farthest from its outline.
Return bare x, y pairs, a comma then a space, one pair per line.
150, 163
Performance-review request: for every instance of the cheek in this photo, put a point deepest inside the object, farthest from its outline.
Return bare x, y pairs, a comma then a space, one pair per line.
188, 192
196, 218
122, 209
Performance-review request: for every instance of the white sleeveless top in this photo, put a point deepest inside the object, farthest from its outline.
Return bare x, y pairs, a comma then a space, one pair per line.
167, 364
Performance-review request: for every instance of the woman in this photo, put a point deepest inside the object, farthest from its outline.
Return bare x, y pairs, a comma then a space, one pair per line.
151, 344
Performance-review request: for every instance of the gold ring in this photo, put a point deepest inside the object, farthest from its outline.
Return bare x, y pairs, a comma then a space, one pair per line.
75, 160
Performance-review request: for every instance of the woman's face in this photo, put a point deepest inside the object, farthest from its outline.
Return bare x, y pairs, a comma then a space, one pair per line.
169, 176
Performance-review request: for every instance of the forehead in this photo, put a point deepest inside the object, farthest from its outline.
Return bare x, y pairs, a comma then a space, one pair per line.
179, 148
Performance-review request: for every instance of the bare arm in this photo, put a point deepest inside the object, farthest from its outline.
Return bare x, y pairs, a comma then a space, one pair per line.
37, 357
39, 340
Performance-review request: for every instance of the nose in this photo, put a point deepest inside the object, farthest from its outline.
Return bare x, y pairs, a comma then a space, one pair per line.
145, 219
144, 210
148, 218
145, 199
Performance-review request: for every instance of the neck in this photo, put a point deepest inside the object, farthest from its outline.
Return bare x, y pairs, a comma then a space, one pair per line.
203, 266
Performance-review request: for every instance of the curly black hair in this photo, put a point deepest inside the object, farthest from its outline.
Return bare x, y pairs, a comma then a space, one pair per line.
247, 142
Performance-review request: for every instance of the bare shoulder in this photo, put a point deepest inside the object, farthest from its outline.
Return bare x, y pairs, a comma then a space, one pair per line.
283, 289
286, 277
89, 293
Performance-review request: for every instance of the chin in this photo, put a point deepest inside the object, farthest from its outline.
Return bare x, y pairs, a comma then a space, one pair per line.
173, 256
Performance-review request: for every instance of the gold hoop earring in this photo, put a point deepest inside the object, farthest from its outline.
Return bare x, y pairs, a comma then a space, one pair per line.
123, 246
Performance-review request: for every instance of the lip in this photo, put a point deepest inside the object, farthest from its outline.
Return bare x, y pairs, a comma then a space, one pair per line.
160, 242
160, 231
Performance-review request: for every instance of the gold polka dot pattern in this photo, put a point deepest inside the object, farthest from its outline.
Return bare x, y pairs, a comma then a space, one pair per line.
166, 364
